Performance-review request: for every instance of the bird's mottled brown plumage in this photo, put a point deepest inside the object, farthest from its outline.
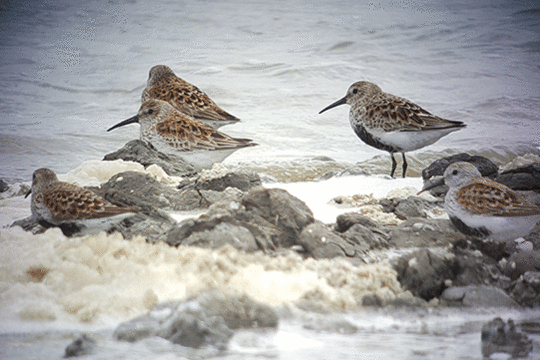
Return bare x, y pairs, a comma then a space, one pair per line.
164, 85
57, 202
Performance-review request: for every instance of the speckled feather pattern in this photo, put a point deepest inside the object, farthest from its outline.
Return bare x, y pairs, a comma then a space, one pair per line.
164, 126
485, 196
376, 109
56, 202
164, 85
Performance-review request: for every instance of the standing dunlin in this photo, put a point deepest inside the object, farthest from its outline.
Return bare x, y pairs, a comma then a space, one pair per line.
391, 123
164, 85
171, 131
481, 207
57, 202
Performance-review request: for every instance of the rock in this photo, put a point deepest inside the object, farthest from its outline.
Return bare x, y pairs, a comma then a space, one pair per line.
31, 224
133, 188
526, 289
274, 218
208, 318
410, 207
345, 221
424, 274
477, 296
238, 180
146, 155
485, 166
521, 262
84, 345
363, 239
473, 268
526, 177
320, 242
498, 337
420, 232
3, 186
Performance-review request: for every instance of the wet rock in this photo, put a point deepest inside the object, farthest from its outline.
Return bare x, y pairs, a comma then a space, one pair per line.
146, 155
410, 207
424, 273
31, 224
3, 186
84, 345
133, 188
274, 218
418, 232
521, 262
526, 177
320, 242
239, 180
526, 289
472, 267
363, 239
501, 337
208, 318
345, 221
477, 296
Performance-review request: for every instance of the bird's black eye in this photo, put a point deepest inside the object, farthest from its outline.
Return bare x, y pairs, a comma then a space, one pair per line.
454, 172
355, 91
150, 111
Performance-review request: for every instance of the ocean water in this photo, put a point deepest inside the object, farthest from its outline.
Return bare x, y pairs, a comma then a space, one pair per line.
71, 69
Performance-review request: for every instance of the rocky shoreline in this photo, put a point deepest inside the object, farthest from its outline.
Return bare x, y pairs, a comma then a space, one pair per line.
438, 265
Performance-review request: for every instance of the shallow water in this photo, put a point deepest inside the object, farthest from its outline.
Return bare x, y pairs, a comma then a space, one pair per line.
72, 69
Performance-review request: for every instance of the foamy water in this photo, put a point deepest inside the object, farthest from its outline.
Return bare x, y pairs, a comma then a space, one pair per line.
70, 70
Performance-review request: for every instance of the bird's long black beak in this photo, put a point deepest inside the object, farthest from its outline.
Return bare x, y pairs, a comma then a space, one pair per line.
432, 184
28, 193
131, 120
337, 103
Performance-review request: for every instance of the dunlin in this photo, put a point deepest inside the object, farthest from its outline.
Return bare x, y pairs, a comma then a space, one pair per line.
58, 202
391, 123
164, 85
481, 207
171, 131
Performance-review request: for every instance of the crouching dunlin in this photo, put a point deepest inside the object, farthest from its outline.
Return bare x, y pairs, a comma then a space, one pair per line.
60, 203
391, 123
481, 207
164, 85
171, 131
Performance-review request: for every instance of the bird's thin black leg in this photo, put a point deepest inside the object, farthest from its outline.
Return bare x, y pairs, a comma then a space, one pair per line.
404, 166
394, 164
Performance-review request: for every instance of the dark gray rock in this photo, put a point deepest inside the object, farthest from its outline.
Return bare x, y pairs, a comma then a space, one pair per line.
521, 262
522, 178
363, 239
84, 345
420, 232
475, 269
345, 221
32, 225
238, 180
477, 296
145, 154
320, 242
424, 273
133, 188
410, 207
498, 337
485, 166
208, 318
3, 186
273, 217
526, 289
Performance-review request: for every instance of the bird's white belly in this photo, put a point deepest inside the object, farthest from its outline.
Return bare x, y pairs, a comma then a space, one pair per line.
406, 141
